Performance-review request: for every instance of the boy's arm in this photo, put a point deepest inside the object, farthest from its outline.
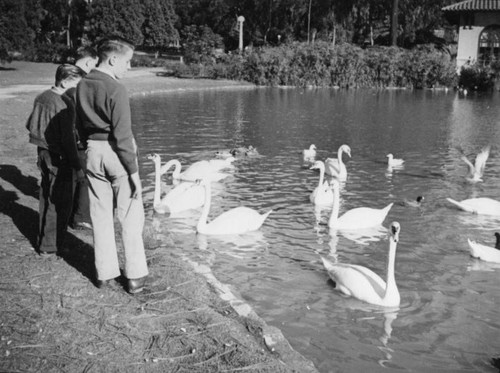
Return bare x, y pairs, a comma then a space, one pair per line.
121, 124
68, 139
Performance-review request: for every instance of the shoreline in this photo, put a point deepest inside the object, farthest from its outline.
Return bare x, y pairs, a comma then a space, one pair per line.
29, 278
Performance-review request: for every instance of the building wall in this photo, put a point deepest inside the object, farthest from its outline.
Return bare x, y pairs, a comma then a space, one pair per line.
468, 36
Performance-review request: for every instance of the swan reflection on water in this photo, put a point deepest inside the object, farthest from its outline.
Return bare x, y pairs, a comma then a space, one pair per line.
239, 246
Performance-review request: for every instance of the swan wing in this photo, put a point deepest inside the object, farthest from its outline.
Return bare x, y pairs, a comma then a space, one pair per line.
483, 252
356, 281
485, 206
185, 196
481, 159
363, 217
469, 164
235, 221
197, 170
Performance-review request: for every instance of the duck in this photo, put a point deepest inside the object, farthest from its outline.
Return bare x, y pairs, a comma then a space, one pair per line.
335, 166
322, 194
482, 206
235, 221
309, 154
357, 218
486, 253
364, 284
184, 196
413, 203
394, 162
476, 170
198, 170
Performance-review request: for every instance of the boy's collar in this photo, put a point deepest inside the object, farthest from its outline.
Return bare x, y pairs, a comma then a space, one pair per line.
57, 90
105, 71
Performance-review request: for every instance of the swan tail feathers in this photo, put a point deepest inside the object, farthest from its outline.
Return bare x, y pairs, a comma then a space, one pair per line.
461, 206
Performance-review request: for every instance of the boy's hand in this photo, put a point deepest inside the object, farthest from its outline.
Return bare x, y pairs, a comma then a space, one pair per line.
80, 176
136, 185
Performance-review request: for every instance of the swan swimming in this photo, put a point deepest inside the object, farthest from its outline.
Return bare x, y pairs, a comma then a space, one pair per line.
335, 166
185, 196
476, 170
198, 170
309, 154
483, 206
235, 221
394, 162
357, 218
364, 284
322, 194
486, 253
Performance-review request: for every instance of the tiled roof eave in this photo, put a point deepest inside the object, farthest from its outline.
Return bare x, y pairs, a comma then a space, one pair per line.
474, 5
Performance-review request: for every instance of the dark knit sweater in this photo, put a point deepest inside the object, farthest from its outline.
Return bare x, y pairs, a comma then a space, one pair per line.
51, 126
103, 113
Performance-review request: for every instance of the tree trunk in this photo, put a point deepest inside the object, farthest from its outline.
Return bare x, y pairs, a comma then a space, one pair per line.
394, 23
309, 22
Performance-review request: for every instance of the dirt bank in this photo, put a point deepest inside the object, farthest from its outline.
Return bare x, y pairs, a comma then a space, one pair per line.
52, 318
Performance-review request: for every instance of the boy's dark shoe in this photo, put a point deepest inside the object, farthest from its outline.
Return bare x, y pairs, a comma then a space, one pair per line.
136, 285
106, 284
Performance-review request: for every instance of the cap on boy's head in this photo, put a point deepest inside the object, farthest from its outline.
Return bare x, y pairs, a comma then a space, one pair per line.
68, 72
84, 52
114, 44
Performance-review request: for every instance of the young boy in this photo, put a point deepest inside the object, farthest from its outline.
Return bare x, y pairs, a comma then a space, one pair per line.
52, 129
104, 123
86, 59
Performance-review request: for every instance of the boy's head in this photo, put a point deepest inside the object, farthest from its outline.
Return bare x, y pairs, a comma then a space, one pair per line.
115, 54
86, 58
68, 76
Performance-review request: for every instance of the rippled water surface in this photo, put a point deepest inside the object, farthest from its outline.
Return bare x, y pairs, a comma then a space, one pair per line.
449, 315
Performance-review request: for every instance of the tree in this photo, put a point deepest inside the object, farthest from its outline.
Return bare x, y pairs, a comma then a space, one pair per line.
116, 17
394, 23
158, 26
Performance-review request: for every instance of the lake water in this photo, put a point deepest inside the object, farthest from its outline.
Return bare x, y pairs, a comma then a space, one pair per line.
449, 318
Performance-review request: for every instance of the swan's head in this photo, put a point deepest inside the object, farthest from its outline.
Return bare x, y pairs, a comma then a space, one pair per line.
318, 165
390, 156
395, 229
312, 147
154, 157
346, 149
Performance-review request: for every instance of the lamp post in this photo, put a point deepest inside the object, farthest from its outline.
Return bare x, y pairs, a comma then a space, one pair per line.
241, 19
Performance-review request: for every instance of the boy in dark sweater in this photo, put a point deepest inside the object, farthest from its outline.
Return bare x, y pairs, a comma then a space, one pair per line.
52, 129
86, 59
104, 123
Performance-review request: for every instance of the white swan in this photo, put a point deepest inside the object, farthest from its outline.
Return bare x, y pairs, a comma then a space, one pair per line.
357, 218
486, 253
476, 170
483, 206
309, 154
220, 164
364, 284
235, 221
198, 170
394, 162
336, 167
184, 196
322, 194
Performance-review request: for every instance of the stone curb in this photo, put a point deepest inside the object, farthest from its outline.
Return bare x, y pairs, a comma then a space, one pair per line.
273, 337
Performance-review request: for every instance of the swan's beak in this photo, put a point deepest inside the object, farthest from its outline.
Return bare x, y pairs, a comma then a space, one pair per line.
395, 228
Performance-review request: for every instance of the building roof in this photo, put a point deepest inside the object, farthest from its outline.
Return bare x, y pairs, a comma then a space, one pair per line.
473, 5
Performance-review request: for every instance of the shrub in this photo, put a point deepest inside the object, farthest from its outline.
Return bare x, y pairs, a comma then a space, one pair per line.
478, 78
49, 52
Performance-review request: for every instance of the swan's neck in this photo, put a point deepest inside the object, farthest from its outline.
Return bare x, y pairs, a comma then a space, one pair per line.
391, 281
168, 166
335, 210
321, 175
202, 222
339, 157
157, 194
